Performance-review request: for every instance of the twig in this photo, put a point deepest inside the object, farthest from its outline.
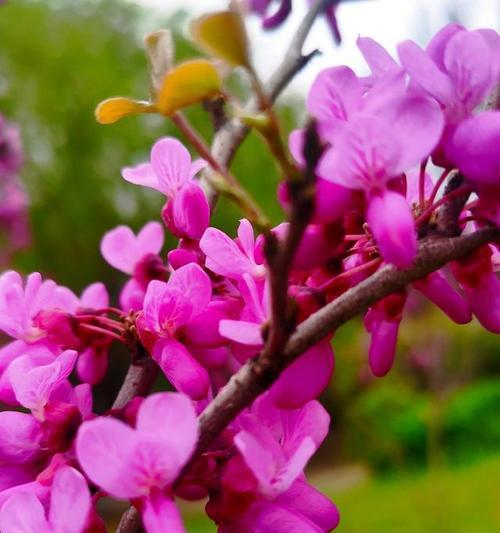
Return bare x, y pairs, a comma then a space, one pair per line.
233, 133
258, 374
280, 255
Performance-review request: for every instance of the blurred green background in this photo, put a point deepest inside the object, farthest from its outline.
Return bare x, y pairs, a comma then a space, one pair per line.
418, 451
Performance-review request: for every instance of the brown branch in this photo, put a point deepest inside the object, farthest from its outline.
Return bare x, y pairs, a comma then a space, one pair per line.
258, 374
280, 255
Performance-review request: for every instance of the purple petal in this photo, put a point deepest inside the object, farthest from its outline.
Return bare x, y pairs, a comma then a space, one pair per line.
69, 501
437, 45
365, 155
485, 302
439, 291
334, 95
249, 333
171, 163
105, 448
305, 379
194, 284
95, 296
305, 500
181, 368
92, 365
468, 60
383, 340
33, 386
395, 236
224, 256
419, 119
119, 249
160, 514
425, 72
20, 436
474, 148
190, 212
23, 513
179, 427
144, 175
150, 239
376, 56
278, 519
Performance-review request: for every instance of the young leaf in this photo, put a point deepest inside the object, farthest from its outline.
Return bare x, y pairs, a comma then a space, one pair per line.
223, 35
111, 110
187, 84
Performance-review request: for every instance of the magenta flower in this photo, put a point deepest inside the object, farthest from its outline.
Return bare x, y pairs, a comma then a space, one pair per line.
137, 256
459, 69
175, 313
369, 134
141, 464
271, 493
70, 505
229, 258
171, 171
481, 286
34, 384
20, 303
382, 322
438, 290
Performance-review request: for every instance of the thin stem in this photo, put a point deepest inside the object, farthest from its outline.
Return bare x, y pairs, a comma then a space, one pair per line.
349, 273
461, 191
421, 183
104, 321
101, 331
439, 182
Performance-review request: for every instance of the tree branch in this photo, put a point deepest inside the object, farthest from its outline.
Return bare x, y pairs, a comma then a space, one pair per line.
258, 374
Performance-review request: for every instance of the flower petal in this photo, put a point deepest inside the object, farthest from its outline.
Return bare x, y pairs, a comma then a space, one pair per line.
171, 163
105, 448
181, 368
305, 379
119, 248
69, 501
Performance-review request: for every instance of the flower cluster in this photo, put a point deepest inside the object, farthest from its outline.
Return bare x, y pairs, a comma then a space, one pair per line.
13, 198
204, 309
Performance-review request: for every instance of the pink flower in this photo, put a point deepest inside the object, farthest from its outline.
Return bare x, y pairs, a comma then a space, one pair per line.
271, 492
382, 322
70, 504
231, 258
137, 256
141, 464
439, 291
171, 172
34, 384
481, 286
20, 303
459, 69
175, 313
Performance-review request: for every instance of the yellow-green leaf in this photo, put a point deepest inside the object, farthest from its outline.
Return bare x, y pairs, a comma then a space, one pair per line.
223, 35
187, 84
113, 109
